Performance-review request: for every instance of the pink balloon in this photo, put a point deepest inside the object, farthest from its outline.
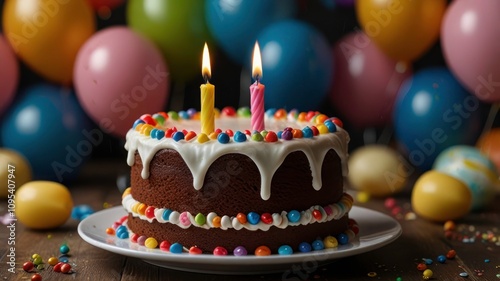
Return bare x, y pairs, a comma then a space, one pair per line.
9, 74
366, 81
119, 75
470, 37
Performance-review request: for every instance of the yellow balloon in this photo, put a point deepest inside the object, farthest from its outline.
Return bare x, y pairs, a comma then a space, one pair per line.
47, 34
15, 172
403, 29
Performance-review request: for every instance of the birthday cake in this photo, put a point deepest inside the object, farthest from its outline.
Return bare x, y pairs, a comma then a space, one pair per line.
237, 191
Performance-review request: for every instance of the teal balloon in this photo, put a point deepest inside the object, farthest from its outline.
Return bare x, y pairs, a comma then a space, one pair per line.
178, 28
48, 127
475, 169
297, 65
236, 24
434, 112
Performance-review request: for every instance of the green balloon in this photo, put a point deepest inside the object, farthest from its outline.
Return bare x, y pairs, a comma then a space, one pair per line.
178, 28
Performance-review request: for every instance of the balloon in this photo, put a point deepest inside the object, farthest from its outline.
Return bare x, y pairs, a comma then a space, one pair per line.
297, 65
120, 75
470, 40
366, 81
110, 4
387, 178
17, 169
489, 144
236, 24
345, 3
49, 128
9, 74
433, 112
403, 29
178, 28
46, 34
469, 165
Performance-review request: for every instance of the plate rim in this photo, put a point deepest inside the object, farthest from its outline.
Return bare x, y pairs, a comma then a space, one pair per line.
359, 246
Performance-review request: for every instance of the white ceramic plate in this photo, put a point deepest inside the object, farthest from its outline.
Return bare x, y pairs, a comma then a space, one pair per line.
376, 230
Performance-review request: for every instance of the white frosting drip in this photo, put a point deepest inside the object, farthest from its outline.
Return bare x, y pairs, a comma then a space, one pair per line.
267, 156
280, 220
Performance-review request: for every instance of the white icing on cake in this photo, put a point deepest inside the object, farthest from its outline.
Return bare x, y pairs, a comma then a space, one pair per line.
268, 156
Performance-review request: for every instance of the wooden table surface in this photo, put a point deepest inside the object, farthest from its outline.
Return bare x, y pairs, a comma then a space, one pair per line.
96, 186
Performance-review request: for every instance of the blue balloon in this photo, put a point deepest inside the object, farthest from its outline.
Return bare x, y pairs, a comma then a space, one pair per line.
433, 112
48, 127
297, 65
236, 24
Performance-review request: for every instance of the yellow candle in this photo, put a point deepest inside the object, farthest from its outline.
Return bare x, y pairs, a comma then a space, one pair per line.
207, 91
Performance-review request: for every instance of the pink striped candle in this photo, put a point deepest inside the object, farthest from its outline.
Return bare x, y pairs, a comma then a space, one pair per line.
257, 92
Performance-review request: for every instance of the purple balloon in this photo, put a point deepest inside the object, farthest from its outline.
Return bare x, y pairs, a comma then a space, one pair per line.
470, 37
366, 81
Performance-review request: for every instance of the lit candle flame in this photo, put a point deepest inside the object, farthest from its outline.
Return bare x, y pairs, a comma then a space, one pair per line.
205, 67
257, 63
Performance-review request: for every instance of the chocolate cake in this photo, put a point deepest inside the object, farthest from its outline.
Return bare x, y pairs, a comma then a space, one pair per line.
237, 188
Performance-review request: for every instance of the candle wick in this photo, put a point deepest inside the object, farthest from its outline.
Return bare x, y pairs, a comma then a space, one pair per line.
257, 78
205, 77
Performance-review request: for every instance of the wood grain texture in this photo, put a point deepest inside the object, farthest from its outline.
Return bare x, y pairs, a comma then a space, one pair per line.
420, 239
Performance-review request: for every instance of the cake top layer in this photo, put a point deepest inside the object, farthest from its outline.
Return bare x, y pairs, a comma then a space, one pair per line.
311, 132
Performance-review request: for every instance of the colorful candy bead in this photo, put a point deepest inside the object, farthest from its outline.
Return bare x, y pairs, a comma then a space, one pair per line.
150, 212
451, 254
200, 219
160, 119
421, 266
36, 277
173, 115
305, 247
337, 122
441, 258
427, 274
28, 266
266, 218
53, 261
317, 245
57, 267
428, 261
242, 218
330, 242
229, 111
244, 111
64, 249
285, 250
262, 251
297, 134
317, 214
257, 137
165, 245
220, 251
293, 216
178, 136
151, 243
270, 112
110, 231
141, 209
142, 240
191, 112
332, 128
253, 218
176, 248
239, 137
287, 135
202, 138
183, 115
65, 268
166, 214
307, 132
223, 138
271, 137
322, 129
134, 237
240, 251
342, 238
216, 221
195, 251
184, 219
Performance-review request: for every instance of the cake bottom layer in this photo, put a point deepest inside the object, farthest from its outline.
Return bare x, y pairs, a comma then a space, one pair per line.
207, 240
